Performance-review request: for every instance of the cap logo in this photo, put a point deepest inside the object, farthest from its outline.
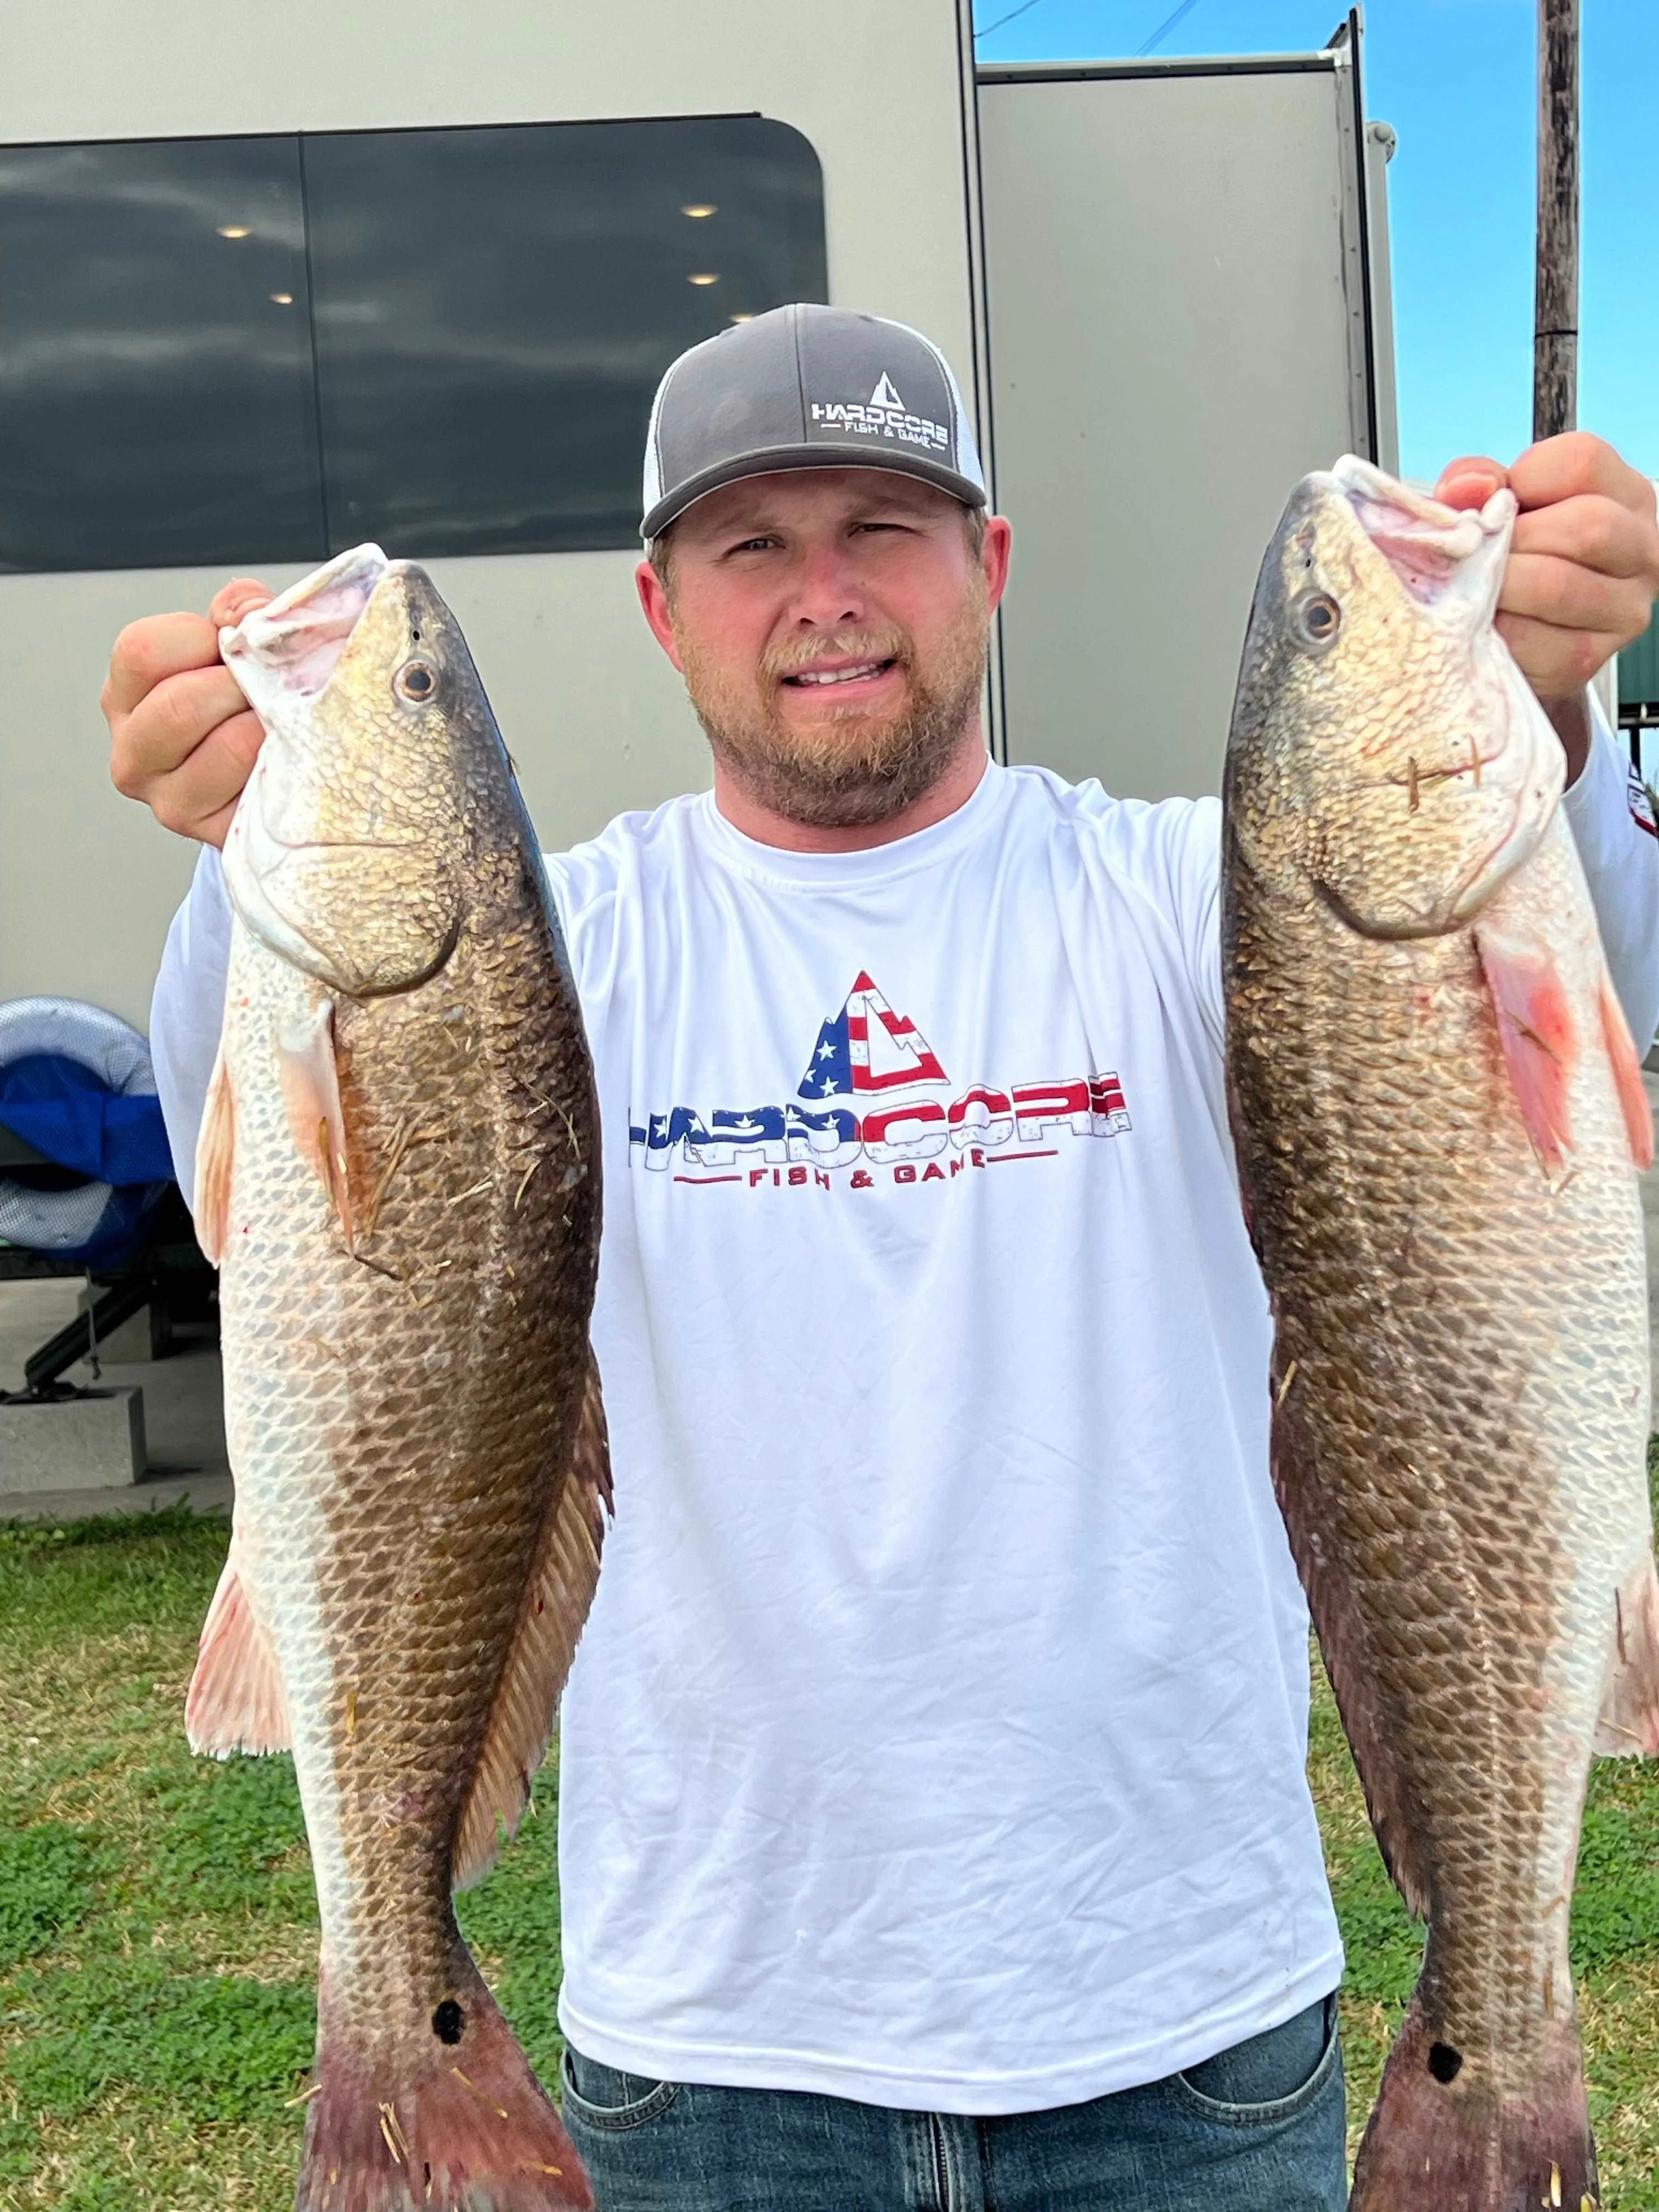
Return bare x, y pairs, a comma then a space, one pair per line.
884, 415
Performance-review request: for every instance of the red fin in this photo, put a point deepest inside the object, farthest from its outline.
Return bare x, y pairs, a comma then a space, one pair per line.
216, 1153
311, 1092
1629, 1724
560, 1591
235, 1701
1627, 1074
1442, 2135
1534, 1027
420, 2122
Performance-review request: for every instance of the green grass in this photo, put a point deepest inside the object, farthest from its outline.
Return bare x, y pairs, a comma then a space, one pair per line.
158, 1932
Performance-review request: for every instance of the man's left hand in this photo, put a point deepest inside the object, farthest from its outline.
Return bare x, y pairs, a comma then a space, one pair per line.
1584, 565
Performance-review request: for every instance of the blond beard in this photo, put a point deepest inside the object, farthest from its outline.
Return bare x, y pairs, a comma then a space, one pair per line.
856, 769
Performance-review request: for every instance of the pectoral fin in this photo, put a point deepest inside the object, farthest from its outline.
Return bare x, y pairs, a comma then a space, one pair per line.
1535, 1031
310, 1093
216, 1153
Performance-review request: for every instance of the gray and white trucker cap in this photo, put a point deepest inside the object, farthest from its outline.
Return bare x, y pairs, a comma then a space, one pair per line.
806, 387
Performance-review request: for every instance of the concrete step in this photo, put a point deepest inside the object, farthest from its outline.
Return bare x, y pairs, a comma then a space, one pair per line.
95, 1442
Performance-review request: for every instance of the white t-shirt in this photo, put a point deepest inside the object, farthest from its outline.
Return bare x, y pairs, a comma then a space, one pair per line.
937, 1737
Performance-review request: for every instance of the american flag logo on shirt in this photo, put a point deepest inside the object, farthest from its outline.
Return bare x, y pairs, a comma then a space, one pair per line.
867, 1046
868, 1111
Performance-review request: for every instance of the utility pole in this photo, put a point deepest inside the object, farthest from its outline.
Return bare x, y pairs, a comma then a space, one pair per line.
1555, 316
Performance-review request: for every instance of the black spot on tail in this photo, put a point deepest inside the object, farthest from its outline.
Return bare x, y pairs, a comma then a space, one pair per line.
1444, 2063
449, 2021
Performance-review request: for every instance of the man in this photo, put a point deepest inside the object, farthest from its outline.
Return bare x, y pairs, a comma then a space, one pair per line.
933, 1826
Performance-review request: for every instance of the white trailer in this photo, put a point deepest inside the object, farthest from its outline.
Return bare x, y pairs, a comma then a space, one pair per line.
272, 284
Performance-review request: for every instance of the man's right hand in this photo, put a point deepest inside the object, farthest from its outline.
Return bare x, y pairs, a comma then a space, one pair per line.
182, 737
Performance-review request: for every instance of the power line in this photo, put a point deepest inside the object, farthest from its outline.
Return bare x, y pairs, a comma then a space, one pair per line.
1025, 5
1158, 35
1165, 27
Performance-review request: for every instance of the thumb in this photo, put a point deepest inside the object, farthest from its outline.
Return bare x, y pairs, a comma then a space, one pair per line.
1470, 481
236, 599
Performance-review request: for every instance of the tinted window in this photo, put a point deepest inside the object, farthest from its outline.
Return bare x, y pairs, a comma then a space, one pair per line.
468, 369
155, 379
494, 308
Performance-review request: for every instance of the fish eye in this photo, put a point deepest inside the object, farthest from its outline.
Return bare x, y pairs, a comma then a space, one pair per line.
416, 681
1315, 617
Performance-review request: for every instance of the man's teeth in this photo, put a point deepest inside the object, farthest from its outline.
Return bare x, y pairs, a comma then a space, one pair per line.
840, 675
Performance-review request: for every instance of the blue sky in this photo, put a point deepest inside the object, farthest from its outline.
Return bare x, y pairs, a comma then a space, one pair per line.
1456, 80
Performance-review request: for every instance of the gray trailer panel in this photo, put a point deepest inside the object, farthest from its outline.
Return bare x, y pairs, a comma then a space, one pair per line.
1180, 326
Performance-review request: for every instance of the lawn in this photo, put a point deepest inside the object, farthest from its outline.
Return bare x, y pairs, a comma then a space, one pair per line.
157, 1932
157, 1929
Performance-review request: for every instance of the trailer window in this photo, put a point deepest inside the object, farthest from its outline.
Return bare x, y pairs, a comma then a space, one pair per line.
155, 387
238, 351
495, 307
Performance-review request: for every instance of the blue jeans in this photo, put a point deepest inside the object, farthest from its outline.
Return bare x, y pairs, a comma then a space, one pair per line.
1257, 2129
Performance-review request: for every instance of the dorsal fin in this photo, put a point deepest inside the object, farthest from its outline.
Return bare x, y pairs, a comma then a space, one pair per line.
1344, 1641
557, 1599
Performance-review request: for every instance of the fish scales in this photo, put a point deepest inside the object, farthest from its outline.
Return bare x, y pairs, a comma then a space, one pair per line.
1413, 1248
1442, 1195
431, 1447
402, 1155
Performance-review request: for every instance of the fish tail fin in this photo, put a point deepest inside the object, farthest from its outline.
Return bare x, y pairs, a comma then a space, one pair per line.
443, 2121
1440, 2134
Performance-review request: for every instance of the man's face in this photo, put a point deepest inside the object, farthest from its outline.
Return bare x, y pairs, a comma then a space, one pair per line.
831, 626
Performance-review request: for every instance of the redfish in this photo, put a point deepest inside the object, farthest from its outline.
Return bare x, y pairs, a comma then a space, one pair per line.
1439, 1117
399, 1174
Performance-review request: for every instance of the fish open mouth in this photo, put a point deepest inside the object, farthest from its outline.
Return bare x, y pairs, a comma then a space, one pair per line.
282, 655
1449, 560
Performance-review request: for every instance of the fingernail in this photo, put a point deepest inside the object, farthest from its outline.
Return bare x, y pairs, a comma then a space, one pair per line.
241, 599
1467, 488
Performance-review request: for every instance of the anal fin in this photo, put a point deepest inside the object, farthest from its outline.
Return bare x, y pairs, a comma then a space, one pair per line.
1535, 1031
1629, 1723
235, 1701
557, 1599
